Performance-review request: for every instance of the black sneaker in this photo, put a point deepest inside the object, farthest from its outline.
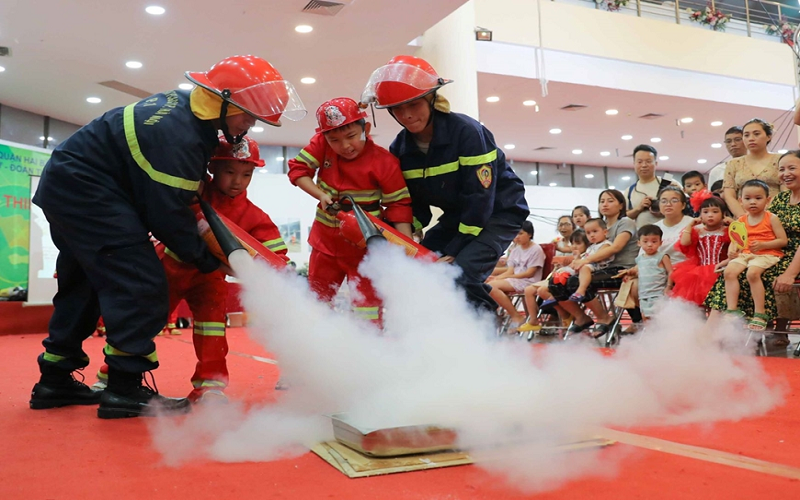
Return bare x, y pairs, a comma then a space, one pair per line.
57, 388
126, 397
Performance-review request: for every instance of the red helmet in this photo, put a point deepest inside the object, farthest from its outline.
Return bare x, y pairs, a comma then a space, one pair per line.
246, 150
403, 79
338, 113
252, 84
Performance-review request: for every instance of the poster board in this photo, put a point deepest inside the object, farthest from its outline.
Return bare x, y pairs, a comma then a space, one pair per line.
42, 285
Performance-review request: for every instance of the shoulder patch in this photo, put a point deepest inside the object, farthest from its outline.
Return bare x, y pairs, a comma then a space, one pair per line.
485, 176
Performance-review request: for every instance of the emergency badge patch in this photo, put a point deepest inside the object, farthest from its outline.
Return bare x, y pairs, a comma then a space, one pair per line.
241, 151
485, 176
334, 116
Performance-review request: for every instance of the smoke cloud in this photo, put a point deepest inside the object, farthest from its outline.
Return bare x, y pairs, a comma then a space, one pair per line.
439, 363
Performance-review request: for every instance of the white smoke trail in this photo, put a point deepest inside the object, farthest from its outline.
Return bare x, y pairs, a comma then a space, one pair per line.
439, 364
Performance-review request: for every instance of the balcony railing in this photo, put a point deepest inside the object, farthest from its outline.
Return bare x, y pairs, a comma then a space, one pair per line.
748, 17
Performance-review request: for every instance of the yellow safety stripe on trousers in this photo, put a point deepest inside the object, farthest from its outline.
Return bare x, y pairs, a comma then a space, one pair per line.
55, 358
417, 224
275, 245
367, 312
113, 351
209, 329
473, 230
396, 196
197, 384
172, 254
138, 157
471, 161
305, 157
421, 173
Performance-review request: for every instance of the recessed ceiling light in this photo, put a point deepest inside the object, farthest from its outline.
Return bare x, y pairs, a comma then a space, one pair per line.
605, 153
308, 80
279, 158
133, 64
716, 124
93, 100
553, 184
626, 178
783, 151
577, 151
533, 172
701, 161
627, 137
257, 129
612, 187
263, 170
529, 103
41, 138
185, 86
663, 158
589, 176
509, 146
716, 145
688, 119
155, 10
612, 112
492, 98
555, 130
303, 28
2, 69
655, 139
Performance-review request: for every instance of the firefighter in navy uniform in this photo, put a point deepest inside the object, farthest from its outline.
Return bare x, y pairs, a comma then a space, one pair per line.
450, 161
133, 171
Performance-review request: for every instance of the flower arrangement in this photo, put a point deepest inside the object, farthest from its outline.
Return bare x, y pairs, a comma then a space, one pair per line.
710, 17
612, 5
784, 29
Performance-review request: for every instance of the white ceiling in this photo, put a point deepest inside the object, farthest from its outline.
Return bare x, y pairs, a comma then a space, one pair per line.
592, 131
61, 50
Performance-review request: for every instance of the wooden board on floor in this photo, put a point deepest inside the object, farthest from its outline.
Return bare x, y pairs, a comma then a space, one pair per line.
354, 464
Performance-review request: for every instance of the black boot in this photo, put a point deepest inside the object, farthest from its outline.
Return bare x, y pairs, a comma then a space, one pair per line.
125, 397
58, 387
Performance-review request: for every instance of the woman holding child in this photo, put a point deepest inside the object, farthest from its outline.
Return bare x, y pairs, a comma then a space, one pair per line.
780, 277
620, 231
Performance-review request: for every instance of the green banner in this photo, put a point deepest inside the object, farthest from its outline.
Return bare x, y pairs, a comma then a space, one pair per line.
17, 163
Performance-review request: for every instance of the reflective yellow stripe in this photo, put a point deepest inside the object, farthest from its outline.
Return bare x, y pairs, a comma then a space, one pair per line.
441, 169
326, 218
478, 160
275, 245
417, 224
169, 252
113, 351
209, 329
208, 383
362, 196
327, 188
417, 173
367, 312
396, 196
473, 230
53, 358
306, 158
138, 157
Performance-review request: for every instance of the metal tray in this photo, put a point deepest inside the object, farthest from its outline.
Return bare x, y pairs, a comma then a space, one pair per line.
392, 441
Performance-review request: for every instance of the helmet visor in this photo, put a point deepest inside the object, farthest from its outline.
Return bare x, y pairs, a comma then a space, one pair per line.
400, 73
270, 100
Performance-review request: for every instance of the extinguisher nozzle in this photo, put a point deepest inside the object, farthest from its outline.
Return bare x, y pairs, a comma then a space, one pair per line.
368, 229
227, 241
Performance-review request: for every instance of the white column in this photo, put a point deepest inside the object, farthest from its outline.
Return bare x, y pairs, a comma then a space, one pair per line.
449, 47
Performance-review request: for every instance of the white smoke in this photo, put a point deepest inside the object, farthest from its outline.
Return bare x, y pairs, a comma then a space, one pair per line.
439, 363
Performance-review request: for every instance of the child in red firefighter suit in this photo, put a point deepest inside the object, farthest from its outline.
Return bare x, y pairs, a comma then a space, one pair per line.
206, 294
347, 162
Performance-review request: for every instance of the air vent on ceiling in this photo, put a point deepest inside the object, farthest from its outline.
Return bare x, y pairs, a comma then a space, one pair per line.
573, 107
128, 89
651, 116
323, 7
4, 51
544, 148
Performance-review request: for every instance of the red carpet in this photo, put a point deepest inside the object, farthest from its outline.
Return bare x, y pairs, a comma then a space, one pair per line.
69, 453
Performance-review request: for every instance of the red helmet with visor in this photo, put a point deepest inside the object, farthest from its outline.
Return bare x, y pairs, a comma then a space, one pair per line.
401, 80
